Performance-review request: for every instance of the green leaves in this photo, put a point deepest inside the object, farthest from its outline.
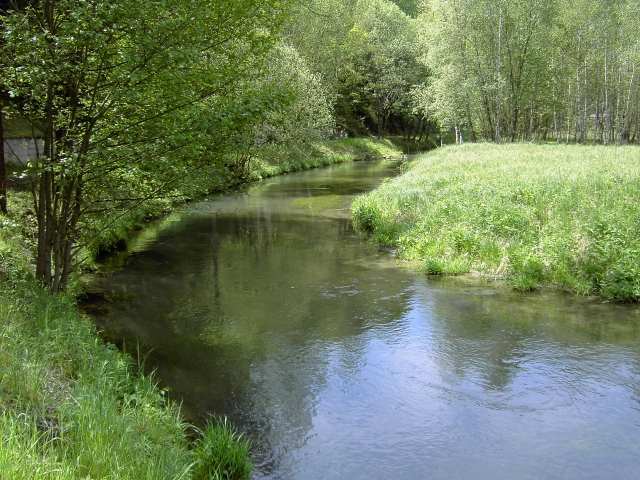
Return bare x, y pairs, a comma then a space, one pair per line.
129, 94
532, 69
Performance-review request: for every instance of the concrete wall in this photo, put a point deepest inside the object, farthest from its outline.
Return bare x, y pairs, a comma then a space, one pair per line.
18, 151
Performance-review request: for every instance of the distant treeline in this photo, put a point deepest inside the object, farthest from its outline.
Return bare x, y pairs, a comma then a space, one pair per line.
499, 70
511, 70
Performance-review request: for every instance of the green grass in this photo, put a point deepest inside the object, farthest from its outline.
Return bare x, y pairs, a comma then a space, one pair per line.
535, 215
72, 407
279, 160
222, 454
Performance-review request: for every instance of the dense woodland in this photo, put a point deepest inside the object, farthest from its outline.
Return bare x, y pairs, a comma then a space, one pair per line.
142, 100
533, 69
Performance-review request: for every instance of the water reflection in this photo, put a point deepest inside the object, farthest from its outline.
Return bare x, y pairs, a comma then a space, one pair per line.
266, 307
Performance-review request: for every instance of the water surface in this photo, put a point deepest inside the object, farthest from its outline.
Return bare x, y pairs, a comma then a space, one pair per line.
266, 307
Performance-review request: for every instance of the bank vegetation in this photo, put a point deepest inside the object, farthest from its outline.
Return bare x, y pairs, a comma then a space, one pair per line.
533, 215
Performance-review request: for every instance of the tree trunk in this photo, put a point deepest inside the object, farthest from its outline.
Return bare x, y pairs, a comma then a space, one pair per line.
3, 169
498, 68
44, 198
607, 113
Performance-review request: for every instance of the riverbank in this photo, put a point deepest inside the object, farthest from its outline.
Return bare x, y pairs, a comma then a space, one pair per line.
535, 215
74, 407
108, 235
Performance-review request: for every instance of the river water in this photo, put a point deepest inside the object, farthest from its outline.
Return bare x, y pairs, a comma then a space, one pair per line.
338, 363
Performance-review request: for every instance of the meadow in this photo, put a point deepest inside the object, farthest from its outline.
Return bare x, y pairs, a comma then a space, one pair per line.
534, 215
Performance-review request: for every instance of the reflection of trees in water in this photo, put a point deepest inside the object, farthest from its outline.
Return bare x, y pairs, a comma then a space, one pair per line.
242, 312
488, 334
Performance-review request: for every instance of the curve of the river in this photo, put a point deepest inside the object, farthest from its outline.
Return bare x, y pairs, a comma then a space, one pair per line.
338, 363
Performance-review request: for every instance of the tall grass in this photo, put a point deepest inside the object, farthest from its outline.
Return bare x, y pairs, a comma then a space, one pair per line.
72, 407
567, 216
222, 453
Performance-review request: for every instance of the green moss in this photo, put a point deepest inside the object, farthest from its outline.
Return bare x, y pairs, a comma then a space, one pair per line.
534, 214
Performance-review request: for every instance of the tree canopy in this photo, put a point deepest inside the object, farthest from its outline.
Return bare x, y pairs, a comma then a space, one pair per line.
533, 69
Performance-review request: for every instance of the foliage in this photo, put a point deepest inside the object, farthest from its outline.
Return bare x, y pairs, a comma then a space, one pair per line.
410, 7
536, 215
382, 69
283, 105
109, 234
127, 98
533, 69
366, 55
307, 116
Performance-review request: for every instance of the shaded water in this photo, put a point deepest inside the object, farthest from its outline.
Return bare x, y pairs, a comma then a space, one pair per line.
338, 364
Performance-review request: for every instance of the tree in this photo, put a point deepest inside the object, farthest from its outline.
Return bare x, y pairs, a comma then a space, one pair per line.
117, 86
384, 56
6, 8
365, 53
3, 169
410, 7
533, 69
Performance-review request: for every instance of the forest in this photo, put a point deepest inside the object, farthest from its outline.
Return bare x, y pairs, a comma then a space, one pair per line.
133, 109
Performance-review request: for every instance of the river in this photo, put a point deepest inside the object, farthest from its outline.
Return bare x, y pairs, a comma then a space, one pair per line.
339, 363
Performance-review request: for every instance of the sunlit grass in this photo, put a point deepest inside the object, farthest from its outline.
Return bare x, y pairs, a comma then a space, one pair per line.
279, 160
536, 215
72, 407
222, 453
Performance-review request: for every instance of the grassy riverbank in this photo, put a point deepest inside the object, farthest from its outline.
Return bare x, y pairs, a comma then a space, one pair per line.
108, 234
72, 407
536, 215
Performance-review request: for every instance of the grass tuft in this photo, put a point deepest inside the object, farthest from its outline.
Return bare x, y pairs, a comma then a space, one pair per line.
222, 454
